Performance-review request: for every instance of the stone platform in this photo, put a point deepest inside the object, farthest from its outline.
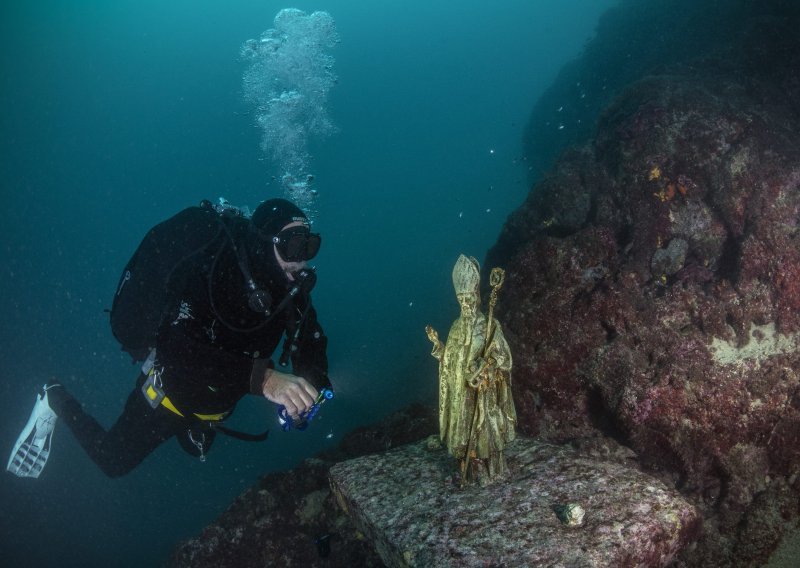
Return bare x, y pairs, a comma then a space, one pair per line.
408, 503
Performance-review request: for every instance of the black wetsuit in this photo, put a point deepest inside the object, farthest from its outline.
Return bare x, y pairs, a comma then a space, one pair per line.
211, 350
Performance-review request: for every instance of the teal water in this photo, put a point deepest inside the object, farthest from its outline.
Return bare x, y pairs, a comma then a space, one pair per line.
115, 115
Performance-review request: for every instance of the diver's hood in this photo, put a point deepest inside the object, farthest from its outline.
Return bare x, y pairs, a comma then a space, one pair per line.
264, 267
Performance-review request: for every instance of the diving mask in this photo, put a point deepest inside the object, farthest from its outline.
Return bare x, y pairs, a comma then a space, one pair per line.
297, 244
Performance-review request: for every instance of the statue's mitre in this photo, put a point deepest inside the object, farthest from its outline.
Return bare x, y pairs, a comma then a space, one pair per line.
466, 275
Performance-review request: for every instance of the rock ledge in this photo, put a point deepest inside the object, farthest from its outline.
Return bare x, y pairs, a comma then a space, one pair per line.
409, 505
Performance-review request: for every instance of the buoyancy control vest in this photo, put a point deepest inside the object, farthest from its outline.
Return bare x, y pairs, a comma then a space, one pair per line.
143, 290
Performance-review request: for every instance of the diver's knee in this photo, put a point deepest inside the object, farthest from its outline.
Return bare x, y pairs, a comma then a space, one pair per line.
115, 468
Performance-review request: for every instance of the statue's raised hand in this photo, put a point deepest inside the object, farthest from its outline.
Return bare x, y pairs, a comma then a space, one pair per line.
432, 334
438, 348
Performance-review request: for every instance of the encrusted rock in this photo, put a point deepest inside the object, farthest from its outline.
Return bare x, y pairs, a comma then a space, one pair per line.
684, 340
408, 503
570, 514
669, 260
291, 519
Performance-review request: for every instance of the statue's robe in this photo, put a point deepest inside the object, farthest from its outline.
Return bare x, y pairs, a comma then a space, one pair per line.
484, 412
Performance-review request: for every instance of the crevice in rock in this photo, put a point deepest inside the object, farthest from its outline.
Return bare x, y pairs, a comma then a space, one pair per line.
728, 267
602, 419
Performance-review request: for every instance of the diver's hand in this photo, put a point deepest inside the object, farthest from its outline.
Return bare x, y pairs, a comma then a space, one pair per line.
293, 392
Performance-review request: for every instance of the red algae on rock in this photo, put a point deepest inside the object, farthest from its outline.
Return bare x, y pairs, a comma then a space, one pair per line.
666, 318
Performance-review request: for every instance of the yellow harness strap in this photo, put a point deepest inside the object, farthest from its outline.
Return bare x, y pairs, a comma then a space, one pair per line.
212, 417
167, 403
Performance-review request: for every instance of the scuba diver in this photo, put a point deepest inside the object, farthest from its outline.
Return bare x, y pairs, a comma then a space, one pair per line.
204, 302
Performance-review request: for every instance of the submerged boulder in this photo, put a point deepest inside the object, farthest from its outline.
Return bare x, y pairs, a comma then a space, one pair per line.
653, 289
290, 518
557, 506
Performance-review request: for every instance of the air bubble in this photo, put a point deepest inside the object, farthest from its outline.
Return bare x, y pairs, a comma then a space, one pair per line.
288, 79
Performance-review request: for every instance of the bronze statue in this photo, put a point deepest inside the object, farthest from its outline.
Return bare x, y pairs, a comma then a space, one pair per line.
476, 410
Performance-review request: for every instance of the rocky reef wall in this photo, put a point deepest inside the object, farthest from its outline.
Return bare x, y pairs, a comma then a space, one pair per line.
653, 286
634, 39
